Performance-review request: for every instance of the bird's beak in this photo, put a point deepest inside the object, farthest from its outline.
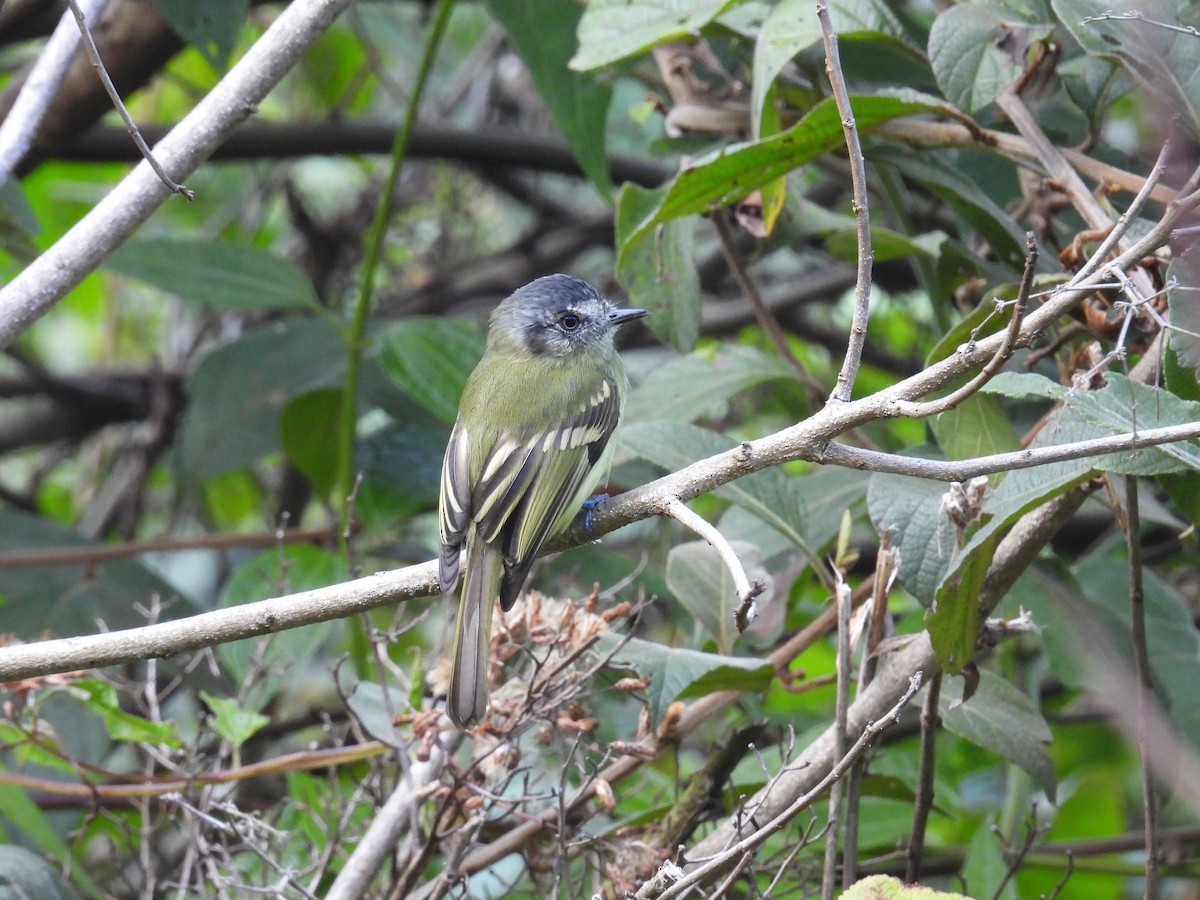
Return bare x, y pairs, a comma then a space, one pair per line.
621, 316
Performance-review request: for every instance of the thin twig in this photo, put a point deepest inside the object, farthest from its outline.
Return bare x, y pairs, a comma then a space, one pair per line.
766, 319
752, 842
924, 799
886, 569
746, 590
98, 64
862, 218
841, 739
90, 554
919, 410
962, 470
1141, 661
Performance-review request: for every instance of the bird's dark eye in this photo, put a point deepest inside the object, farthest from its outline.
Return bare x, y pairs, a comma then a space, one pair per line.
569, 321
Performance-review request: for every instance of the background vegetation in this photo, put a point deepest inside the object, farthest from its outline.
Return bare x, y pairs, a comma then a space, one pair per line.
219, 417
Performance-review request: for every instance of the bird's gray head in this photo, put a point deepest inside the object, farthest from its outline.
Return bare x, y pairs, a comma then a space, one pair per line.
558, 315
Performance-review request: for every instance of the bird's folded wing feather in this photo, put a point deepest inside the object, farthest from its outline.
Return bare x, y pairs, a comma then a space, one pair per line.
529, 480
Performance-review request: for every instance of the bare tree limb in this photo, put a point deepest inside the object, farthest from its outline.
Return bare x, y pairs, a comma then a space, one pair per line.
20, 126
862, 218
48, 278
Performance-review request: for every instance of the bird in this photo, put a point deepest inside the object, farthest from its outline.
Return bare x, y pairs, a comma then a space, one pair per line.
532, 440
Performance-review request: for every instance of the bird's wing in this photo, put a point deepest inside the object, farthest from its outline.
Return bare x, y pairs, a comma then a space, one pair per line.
529, 482
454, 507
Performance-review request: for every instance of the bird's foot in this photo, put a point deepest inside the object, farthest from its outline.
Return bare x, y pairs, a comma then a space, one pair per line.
588, 505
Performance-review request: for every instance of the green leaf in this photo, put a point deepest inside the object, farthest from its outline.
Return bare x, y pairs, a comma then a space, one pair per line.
976, 51
701, 582
691, 386
231, 722
658, 269
401, 467
726, 175
1026, 385
1024, 489
941, 173
614, 29
211, 27
68, 599
1165, 61
238, 391
998, 717
23, 813
543, 34
1124, 406
215, 273
374, 711
985, 868
979, 426
1171, 636
305, 427
770, 494
953, 620
911, 509
101, 698
24, 874
792, 26
430, 359
676, 672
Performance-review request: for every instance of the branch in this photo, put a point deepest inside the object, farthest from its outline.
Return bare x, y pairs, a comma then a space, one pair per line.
219, 626
21, 125
93, 54
999, 358
47, 279
1013, 555
389, 824
862, 218
749, 844
808, 440
746, 590
497, 148
961, 470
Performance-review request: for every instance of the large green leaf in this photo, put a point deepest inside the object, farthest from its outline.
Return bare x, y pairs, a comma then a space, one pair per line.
911, 509
658, 270
792, 26
543, 34
940, 172
1155, 46
215, 273
24, 874
430, 359
62, 598
1120, 407
1000, 718
676, 672
236, 394
212, 27
1171, 636
978, 50
614, 29
726, 175
687, 388
306, 427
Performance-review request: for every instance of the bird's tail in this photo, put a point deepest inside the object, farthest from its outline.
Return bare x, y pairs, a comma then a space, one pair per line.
468, 698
